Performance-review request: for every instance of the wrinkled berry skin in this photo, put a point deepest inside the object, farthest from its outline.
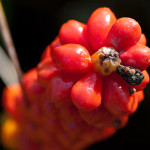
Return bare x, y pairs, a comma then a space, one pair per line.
75, 96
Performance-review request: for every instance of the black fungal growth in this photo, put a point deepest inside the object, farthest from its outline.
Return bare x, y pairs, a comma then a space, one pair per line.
131, 75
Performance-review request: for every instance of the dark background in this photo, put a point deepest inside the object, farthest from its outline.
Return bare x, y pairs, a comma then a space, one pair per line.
35, 23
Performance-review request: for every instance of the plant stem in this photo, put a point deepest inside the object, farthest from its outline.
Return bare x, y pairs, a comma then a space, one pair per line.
9, 42
6, 35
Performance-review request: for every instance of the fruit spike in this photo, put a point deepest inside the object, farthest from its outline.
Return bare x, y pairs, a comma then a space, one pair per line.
76, 95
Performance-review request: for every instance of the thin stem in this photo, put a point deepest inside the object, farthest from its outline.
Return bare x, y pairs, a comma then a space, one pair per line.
9, 42
6, 35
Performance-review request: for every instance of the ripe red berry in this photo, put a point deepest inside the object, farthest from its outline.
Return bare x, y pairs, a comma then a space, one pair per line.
142, 39
137, 56
98, 27
73, 32
73, 58
59, 87
124, 33
46, 71
143, 84
99, 117
13, 102
91, 95
54, 44
139, 95
47, 53
70, 113
32, 88
119, 101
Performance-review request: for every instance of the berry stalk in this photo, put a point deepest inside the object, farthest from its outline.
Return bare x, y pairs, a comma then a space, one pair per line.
5, 31
9, 44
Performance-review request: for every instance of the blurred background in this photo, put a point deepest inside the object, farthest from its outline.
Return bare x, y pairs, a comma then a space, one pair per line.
35, 23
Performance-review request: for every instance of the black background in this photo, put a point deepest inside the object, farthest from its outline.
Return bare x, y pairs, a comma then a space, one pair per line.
35, 23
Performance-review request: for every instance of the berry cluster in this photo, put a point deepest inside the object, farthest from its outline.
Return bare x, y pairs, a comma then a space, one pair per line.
88, 82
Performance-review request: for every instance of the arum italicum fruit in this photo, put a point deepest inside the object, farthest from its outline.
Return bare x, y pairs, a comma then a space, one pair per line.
89, 81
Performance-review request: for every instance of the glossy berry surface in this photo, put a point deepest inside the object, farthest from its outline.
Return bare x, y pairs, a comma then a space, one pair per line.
124, 33
89, 80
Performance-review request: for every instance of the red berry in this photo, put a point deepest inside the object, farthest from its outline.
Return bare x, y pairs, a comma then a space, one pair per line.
35, 113
97, 134
73, 58
86, 93
139, 95
46, 72
142, 39
32, 88
58, 90
13, 101
118, 101
124, 33
143, 84
98, 27
49, 109
137, 56
99, 117
77, 127
47, 53
73, 32
70, 113
54, 44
